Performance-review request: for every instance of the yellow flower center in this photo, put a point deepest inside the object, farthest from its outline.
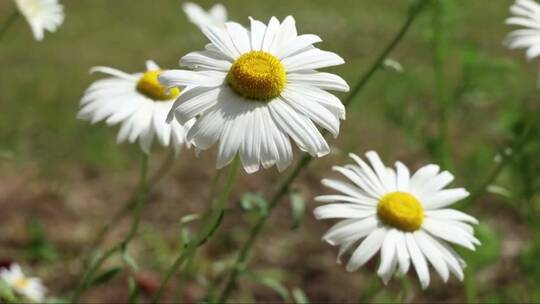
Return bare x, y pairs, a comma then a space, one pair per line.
401, 210
21, 283
257, 75
149, 86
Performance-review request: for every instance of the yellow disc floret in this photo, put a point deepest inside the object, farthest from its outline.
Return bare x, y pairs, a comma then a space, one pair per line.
401, 210
149, 86
257, 75
21, 283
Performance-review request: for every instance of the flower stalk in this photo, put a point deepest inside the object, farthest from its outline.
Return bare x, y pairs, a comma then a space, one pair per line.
211, 221
92, 268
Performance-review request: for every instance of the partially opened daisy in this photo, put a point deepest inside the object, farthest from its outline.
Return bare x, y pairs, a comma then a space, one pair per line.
137, 101
30, 288
216, 15
403, 216
41, 15
525, 13
253, 89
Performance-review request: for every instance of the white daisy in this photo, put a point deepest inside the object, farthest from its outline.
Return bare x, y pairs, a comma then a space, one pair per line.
31, 288
139, 102
41, 15
525, 13
253, 89
402, 215
216, 15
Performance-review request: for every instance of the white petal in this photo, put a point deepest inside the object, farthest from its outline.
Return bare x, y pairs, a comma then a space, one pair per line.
451, 214
388, 257
300, 43
403, 177
221, 39
316, 95
448, 233
206, 60
422, 175
270, 33
342, 198
112, 72
151, 65
367, 249
299, 128
381, 171
284, 35
321, 80
350, 230
418, 260
352, 175
311, 59
342, 211
239, 36
194, 102
350, 190
316, 112
207, 129
432, 254
257, 34
444, 198
369, 175
182, 78
402, 252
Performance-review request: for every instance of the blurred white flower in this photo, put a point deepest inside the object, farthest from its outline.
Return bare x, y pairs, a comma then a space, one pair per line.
525, 13
216, 15
403, 216
31, 288
253, 89
41, 15
139, 102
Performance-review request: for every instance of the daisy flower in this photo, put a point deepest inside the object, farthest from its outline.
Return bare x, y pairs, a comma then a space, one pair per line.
31, 288
137, 101
216, 15
253, 89
41, 15
404, 216
525, 13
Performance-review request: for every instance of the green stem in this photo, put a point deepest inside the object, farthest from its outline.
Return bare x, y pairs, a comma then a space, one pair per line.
440, 48
128, 207
507, 158
240, 261
211, 220
94, 267
8, 23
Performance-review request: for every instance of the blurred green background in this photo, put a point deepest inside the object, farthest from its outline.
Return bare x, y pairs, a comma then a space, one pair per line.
461, 99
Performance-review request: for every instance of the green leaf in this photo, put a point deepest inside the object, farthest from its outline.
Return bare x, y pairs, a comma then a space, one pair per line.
298, 208
299, 296
6, 293
40, 248
133, 291
271, 283
489, 252
129, 260
189, 218
105, 277
254, 202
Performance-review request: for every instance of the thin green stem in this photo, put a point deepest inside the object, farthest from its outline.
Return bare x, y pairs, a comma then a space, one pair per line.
8, 23
213, 189
506, 159
211, 220
161, 172
92, 268
239, 264
440, 49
